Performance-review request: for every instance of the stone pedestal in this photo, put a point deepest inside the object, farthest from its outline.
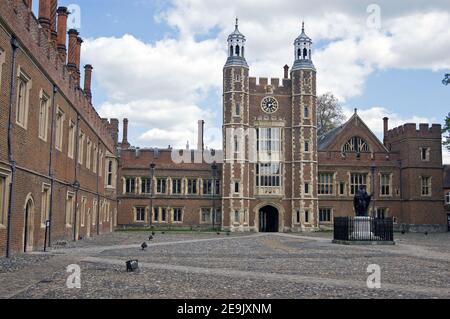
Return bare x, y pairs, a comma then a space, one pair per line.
362, 229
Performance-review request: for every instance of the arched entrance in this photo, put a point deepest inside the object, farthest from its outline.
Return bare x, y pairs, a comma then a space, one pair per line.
269, 219
28, 234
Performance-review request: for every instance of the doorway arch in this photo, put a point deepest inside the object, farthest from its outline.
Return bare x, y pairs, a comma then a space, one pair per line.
28, 233
269, 219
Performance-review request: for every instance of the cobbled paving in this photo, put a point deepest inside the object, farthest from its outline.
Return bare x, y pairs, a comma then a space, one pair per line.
241, 266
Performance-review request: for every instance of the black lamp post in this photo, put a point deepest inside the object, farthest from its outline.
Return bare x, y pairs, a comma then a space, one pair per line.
373, 170
152, 174
214, 172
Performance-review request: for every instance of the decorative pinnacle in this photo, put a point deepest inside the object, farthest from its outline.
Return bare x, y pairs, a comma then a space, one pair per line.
303, 26
237, 23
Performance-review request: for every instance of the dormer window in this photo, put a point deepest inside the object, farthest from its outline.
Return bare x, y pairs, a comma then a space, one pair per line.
356, 145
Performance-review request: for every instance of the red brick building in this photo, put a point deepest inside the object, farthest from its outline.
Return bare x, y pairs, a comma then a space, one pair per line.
57, 156
275, 174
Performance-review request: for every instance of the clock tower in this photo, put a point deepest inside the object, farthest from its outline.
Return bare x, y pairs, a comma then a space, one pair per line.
270, 144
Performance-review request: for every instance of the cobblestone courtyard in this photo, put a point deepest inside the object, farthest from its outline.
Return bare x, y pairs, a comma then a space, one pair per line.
238, 266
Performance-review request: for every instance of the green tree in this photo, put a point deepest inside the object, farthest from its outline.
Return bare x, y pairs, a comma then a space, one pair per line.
446, 80
446, 132
329, 113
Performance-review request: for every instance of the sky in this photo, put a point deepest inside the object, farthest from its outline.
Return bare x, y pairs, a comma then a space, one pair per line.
159, 63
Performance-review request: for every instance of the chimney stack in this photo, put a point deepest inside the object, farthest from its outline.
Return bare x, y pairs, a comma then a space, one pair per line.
200, 140
53, 30
386, 128
62, 33
286, 71
44, 16
87, 81
125, 144
78, 59
71, 61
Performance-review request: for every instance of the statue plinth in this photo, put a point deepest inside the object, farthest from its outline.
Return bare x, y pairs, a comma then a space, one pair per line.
362, 229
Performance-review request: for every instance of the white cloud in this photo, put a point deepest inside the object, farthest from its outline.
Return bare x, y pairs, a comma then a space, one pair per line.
163, 86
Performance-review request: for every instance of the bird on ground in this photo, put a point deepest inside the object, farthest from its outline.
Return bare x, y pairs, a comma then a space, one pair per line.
153, 233
144, 246
403, 232
150, 238
426, 233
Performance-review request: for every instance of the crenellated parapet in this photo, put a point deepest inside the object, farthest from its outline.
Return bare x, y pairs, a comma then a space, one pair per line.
412, 130
275, 86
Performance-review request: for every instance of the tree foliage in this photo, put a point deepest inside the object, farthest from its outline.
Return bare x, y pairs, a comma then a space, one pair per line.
329, 113
446, 132
446, 80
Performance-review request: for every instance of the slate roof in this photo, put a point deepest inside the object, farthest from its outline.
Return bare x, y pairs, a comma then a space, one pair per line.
326, 140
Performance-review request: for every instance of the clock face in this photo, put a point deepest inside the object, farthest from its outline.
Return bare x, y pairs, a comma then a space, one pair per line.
269, 105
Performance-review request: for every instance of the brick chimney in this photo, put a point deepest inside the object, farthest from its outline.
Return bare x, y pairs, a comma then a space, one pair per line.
62, 33
44, 16
286, 71
386, 128
125, 144
87, 81
200, 139
78, 59
71, 60
53, 30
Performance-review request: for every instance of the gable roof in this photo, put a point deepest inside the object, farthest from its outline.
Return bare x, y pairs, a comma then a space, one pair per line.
326, 140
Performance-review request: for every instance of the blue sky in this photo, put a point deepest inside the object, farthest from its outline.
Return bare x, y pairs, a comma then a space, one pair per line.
380, 72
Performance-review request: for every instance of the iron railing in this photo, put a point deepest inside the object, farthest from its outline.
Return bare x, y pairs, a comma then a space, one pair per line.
363, 229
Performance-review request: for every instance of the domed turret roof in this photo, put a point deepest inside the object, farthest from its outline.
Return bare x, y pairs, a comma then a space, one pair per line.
303, 37
236, 33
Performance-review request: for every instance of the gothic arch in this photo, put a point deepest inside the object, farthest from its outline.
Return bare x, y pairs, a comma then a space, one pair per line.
28, 229
281, 214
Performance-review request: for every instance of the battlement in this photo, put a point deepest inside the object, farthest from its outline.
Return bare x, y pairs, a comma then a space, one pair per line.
33, 36
262, 85
411, 130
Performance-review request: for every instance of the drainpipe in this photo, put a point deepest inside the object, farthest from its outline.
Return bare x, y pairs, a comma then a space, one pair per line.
50, 165
14, 46
76, 184
98, 180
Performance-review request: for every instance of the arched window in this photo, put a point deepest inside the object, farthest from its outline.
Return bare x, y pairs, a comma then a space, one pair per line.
356, 145
299, 54
310, 53
231, 50
305, 53
238, 50
243, 51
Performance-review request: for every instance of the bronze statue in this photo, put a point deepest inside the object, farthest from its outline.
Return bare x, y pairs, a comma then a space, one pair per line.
362, 202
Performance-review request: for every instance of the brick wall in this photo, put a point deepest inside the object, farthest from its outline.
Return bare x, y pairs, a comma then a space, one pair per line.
38, 161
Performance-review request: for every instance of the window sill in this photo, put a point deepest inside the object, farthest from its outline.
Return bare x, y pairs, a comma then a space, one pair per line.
23, 126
